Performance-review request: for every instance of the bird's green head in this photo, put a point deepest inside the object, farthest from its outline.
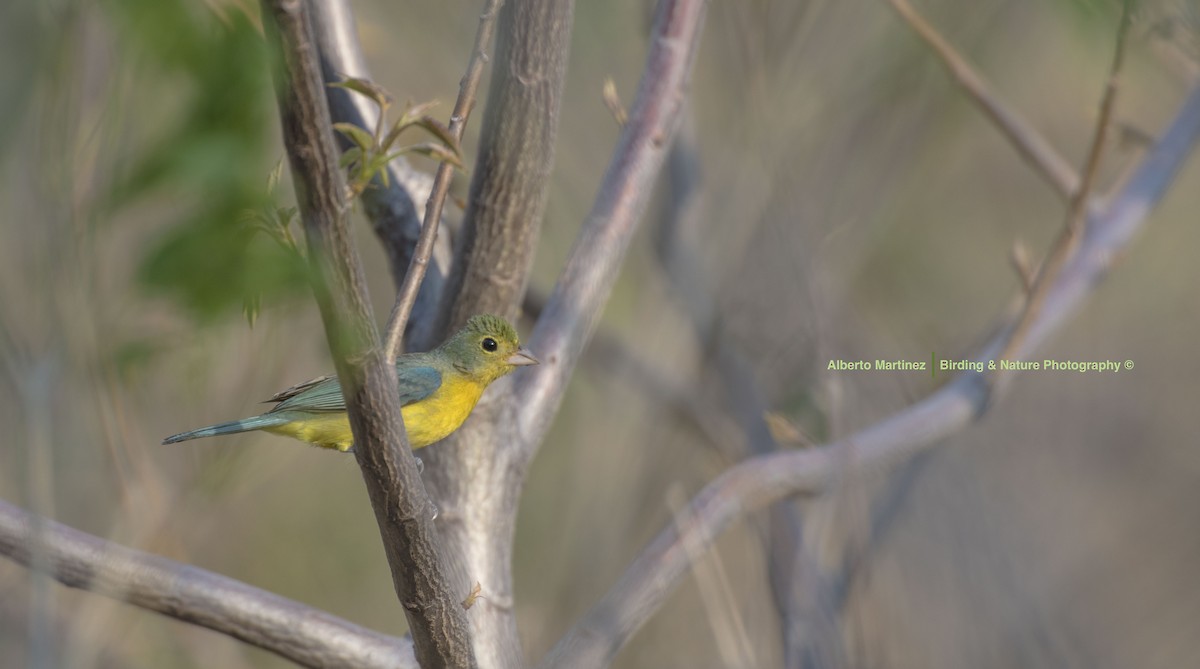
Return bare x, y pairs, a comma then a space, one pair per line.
486, 349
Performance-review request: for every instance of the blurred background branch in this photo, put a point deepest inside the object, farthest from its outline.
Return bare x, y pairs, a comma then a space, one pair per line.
796, 581
854, 205
1039, 153
307, 636
758, 481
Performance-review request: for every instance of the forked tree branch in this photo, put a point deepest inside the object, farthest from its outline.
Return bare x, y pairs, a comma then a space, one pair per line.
302, 634
407, 294
477, 475
438, 623
469, 474
596, 638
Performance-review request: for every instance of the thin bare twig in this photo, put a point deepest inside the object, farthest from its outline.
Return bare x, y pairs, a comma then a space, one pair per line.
304, 635
1068, 239
1018, 256
791, 568
510, 180
407, 295
441, 636
639, 592
1032, 147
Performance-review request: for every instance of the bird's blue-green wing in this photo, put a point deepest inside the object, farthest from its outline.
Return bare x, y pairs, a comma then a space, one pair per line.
416, 382
324, 394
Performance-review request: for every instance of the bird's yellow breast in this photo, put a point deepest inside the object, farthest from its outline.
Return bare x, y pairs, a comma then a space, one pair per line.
427, 421
435, 417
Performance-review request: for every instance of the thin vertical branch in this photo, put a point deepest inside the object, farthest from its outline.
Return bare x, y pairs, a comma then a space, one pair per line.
1068, 240
407, 295
595, 260
441, 636
511, 176
585, 283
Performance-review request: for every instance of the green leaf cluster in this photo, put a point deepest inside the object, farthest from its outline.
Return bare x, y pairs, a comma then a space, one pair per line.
371, 152
208, 67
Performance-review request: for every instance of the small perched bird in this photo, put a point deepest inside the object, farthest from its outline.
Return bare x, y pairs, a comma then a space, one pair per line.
438, 390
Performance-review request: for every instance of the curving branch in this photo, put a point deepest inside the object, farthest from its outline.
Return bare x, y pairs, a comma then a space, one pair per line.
302, 634
441, 636
595, 260
582, 289
407, 295
595, 639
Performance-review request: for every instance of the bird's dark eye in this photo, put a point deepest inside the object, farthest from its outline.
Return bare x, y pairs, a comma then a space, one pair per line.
489, 344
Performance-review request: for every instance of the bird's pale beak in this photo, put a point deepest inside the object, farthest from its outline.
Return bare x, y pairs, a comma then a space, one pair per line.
521, 358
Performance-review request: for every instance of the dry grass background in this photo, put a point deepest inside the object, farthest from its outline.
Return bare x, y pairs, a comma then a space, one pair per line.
854, 206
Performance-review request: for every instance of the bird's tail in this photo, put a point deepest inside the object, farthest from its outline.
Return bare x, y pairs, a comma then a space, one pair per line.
232, 427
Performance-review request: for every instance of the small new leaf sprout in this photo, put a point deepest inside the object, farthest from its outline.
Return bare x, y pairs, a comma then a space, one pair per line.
361, 138
350, 157
412, 114
1022, 262
251, 307
274, 176
433, 150
370, 154
441, 132
283, 222
784, 431
273, 221
613, 101
473, 595
366, 88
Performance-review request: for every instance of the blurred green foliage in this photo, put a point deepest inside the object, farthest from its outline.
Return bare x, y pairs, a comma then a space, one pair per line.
24, 43
208, 259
